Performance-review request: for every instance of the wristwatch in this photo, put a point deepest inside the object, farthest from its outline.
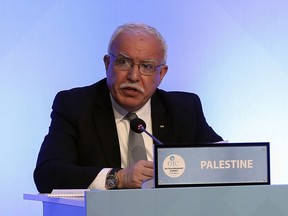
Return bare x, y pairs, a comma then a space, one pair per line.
112, 180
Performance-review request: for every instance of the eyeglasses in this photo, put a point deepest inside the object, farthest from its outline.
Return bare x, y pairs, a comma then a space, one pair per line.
146, 68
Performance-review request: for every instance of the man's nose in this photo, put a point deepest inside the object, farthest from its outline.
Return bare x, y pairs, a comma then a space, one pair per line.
134, 73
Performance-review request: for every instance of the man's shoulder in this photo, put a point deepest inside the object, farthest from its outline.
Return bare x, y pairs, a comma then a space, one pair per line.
178, 96
176, 100
89, 89
82, 95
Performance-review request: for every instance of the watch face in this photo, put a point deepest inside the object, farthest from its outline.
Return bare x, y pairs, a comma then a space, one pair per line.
111, 182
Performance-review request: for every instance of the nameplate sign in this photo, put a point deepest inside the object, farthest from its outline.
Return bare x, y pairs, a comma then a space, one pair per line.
212, 164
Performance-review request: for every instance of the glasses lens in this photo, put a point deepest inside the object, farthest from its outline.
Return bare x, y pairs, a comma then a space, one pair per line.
147, 68
123, 63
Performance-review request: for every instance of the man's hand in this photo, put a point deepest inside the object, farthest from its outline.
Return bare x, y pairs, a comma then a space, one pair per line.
133, 176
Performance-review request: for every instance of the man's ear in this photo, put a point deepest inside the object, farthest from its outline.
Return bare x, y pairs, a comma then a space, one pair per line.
106, 60
163, 71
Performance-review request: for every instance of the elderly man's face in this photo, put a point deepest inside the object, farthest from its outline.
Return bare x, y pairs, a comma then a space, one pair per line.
129, 88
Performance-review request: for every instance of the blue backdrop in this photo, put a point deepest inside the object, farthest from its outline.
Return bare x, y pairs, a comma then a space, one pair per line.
233, 54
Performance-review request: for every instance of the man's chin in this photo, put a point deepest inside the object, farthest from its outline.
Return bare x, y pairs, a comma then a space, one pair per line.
131, 104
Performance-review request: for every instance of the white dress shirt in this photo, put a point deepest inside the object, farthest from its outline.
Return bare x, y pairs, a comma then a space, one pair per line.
123, 127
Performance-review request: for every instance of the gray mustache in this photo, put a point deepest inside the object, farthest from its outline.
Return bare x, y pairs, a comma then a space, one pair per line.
132, 85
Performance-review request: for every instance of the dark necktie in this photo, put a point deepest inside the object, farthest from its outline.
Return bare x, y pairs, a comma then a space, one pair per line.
136, 147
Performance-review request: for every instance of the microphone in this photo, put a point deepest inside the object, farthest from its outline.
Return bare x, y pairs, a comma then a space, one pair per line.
139, 126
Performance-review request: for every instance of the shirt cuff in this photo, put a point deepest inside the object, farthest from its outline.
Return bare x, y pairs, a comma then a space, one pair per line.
100, 180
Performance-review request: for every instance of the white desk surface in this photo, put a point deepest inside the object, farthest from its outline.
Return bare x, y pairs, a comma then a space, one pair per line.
73, 201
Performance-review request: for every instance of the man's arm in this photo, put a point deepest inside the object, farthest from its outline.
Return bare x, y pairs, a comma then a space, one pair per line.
71, 154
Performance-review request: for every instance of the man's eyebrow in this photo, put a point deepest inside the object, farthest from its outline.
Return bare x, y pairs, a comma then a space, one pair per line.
124, 55
145, 60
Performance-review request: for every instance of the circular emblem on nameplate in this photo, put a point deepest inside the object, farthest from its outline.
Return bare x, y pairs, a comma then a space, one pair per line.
174, 166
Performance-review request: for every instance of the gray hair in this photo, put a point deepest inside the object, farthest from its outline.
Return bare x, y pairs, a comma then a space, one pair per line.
139, 28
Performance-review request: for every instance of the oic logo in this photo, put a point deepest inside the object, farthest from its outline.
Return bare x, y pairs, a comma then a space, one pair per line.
174, 166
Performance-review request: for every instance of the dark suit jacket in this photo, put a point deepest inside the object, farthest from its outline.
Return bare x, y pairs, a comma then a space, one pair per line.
83, 139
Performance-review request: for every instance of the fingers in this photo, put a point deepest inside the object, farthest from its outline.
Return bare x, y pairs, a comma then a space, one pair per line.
148, 164
148, 169
133, 176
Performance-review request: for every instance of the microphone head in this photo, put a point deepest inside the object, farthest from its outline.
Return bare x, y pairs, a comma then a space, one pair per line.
137, 125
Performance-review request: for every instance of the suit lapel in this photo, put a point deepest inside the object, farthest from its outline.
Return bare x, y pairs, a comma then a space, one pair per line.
106, 128
161, 122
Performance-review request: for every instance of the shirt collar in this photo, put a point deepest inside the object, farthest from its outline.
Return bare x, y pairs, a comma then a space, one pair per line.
119, 112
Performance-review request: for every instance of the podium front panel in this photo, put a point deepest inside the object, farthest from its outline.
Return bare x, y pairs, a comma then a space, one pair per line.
264, 200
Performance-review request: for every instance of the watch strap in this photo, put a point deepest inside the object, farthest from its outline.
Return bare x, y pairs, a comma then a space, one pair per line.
112, 180
114, 171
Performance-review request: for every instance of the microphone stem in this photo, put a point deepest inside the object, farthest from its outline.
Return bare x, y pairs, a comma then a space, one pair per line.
154, 138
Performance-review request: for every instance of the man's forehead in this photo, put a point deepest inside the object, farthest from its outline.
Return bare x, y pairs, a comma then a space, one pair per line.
123, 40
139, 46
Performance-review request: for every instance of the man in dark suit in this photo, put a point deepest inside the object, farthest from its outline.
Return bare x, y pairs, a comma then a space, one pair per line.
87, 141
